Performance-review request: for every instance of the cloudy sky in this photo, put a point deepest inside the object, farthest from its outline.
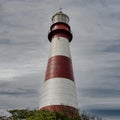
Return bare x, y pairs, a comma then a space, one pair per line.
95, 49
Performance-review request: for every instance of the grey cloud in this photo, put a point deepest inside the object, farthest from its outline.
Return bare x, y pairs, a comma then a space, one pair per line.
113, 48
113, 70
101, 47
106, 112
18, 92
5, 42
103, 111
85, 3
115, 16
100, 93
111, 73
24, 91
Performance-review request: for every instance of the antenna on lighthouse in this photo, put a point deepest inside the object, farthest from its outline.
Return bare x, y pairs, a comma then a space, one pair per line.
60, 5
60, 9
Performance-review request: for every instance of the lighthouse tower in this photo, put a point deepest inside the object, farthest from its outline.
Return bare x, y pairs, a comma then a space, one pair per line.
59, 92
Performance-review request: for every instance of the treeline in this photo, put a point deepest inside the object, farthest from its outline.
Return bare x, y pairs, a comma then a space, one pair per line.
25, 114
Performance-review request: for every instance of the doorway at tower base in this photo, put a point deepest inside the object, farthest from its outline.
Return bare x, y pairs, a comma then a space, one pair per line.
67, 110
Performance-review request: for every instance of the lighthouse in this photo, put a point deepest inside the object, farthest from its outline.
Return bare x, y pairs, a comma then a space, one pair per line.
58, 92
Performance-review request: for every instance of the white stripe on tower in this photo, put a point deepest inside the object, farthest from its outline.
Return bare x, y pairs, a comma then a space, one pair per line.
60, 46
59, 91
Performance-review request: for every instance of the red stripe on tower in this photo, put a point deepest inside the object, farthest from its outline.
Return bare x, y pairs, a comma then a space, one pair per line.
59, 91
70, 111
59, 66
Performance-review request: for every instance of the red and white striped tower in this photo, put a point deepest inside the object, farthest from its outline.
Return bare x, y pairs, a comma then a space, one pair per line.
59, 91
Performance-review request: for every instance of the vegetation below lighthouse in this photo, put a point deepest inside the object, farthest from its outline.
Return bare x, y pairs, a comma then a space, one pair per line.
25, 114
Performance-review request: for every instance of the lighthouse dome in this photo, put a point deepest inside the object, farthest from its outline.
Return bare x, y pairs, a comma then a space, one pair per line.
60, 17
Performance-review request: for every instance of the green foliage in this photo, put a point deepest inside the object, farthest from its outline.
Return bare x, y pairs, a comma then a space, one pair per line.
47, 115
42, 115
21, 114
38, 115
